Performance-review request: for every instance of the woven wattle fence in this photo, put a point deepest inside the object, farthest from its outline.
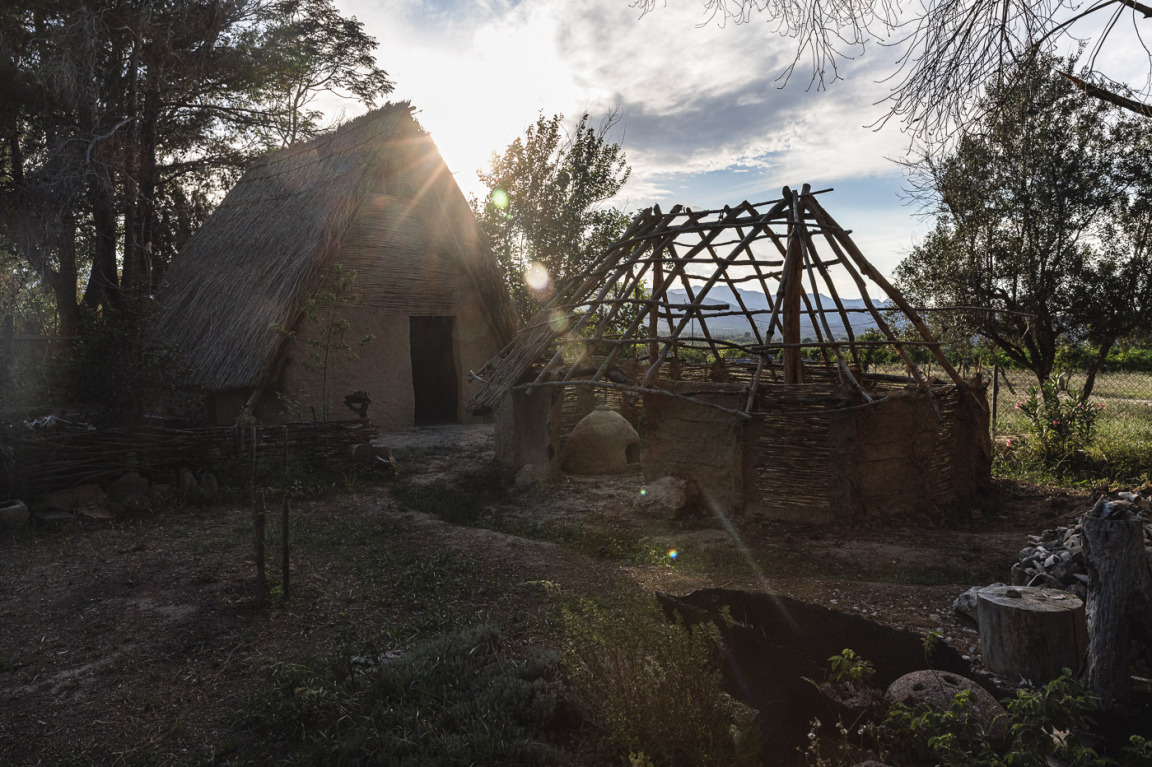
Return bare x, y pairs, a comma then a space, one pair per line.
37, 462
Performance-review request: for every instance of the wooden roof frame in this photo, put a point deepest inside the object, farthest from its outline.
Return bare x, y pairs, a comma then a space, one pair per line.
682, 247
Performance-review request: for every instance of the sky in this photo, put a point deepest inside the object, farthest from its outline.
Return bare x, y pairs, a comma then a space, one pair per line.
704, 118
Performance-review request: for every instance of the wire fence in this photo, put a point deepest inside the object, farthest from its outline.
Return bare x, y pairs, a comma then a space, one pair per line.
1125, 395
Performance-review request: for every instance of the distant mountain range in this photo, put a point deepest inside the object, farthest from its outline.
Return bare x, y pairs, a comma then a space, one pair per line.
734, 326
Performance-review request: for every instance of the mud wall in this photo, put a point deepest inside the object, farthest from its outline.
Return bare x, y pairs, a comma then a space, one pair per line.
691, 441
528, 427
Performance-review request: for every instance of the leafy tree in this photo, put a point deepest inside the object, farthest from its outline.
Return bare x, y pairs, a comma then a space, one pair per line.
1042, 225
543, 216
122, 121
951, 51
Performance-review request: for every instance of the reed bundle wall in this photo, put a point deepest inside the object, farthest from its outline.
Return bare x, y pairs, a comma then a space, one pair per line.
65, 458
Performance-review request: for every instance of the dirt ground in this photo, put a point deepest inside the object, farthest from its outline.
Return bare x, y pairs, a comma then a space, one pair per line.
139, 642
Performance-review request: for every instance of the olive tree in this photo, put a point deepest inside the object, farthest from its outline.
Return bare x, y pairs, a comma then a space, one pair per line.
1042, 223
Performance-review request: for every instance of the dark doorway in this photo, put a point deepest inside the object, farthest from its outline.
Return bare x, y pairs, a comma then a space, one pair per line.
433, 370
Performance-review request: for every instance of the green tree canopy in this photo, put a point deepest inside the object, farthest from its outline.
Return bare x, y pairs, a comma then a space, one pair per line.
1042, 222
122, 121
543, 215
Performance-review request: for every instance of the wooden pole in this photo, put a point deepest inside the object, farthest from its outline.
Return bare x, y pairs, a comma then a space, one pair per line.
258, 533
790, 312
284, 582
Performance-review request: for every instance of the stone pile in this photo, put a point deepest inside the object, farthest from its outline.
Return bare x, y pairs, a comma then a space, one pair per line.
1055, 558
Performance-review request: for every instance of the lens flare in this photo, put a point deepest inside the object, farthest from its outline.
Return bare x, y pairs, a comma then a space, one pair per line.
539, 282
672, 554
500, 198
643, 491
558, 321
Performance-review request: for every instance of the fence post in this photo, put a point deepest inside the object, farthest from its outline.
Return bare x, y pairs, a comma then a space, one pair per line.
995, 393
258, 529
7, 346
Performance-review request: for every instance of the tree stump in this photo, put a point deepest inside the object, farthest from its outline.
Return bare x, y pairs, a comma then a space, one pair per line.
1031, 632
1119, 598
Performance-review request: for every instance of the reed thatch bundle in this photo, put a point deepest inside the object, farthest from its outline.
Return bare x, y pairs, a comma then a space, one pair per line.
247, 273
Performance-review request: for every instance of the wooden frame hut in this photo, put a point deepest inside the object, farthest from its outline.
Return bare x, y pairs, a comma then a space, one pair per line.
248, 303
785, 421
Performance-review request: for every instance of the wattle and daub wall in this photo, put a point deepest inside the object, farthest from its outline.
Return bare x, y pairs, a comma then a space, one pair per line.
809, 453
406, 261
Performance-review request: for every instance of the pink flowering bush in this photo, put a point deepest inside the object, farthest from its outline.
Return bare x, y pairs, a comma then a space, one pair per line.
1059, 423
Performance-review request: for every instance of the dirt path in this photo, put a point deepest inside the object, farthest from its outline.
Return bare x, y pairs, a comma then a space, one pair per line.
140, 643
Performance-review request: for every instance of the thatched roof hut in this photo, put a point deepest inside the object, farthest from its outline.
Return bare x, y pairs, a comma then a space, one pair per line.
375, 199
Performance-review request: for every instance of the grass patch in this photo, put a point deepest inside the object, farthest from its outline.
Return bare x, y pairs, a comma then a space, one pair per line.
457, 699
447, 503
648, 691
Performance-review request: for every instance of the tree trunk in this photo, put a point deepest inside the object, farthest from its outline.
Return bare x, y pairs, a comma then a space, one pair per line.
1031, 632
1093, 369
1119, 598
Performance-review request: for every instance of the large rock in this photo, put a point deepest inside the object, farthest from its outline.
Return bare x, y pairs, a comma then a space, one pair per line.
602, 443
84, 495
128, 485
671, 496
13, 514
937, 690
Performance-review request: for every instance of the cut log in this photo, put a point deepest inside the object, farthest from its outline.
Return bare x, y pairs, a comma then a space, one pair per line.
1119, 599
1031, 632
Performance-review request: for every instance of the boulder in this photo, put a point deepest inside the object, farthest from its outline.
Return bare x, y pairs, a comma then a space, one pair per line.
84, 495
529, 475
128, 485
937, 689
209, 487
93, 515
675, 497
54, 518
13, 515
373, 455
603, 442
187, 483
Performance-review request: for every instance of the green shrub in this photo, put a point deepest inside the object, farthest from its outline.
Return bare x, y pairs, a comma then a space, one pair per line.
649, 691
457, 699
1040, 727
1059, 424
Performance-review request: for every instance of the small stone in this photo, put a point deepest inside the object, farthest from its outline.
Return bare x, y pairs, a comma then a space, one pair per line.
674, 496
129, 484
209, 486
1025, 553
528, 476
187, 483
1020, 575
94, 515
74, 498
13, 515
54, 518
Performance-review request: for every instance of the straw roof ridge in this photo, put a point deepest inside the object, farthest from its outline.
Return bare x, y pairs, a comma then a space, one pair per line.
245, 276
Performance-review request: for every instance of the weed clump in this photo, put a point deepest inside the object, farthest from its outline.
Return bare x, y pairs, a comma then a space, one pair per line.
456, 699
649, 691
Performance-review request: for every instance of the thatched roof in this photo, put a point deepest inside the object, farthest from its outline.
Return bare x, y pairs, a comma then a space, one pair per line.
249, 270
675, 279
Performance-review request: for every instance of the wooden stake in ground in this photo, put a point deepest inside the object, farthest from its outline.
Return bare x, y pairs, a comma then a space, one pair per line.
1031, 632
1119, 597
258, 532
284, 547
